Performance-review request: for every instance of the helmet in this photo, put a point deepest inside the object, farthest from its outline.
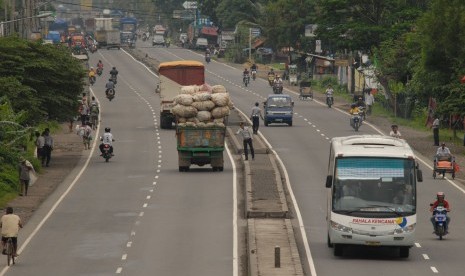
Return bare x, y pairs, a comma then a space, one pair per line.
353, 105
271, 69
110, 79
360, 98
99, 61
256, 104
114, 68
278, 76
107, 129
91, 68
440, 194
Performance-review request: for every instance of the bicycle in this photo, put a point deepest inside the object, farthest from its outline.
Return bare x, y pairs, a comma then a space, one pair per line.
10, 251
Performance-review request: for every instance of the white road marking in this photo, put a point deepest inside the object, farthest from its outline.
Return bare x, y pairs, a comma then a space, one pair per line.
145, 205
124, 257
418, 245
118, 270
141, 214
129, 244
148, 197
425, 256
434, 269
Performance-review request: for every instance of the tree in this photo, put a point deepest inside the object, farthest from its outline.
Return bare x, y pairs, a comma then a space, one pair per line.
230, 12
48, 75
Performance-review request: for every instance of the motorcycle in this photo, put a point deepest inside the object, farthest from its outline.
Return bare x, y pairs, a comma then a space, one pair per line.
167, 44
207, 58
356, 121
254, 74
246, 80
270, 79
91, 80
362, 111
106, 152
113, 79
440, 220
99, 71
329, 101
110, 94
278, 88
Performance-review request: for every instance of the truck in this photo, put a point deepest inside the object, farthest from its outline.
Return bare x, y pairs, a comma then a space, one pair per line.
127, 28
200, 146
113, 39
173, 75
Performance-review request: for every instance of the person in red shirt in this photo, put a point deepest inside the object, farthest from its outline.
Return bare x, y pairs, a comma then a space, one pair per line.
441, 202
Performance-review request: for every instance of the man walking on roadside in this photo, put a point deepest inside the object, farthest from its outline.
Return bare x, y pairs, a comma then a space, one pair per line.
48, 147
255, 116
24, 168
247, 140
435, 128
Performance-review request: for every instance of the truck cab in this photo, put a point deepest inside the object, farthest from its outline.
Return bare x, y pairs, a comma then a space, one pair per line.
279, 108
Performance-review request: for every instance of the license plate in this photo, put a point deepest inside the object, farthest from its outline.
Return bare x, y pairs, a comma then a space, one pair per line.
373, 243
279, 120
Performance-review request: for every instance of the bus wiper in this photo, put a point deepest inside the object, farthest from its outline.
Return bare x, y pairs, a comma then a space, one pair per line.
389, 208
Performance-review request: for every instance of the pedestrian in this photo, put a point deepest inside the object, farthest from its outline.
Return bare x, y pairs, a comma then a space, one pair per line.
369, 100
395, 132
435, 127
86, 134
255, 117
40, 142
84, 112
48, 147
247, 140
24, 168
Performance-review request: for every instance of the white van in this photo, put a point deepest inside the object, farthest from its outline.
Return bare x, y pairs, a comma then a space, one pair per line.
201, 43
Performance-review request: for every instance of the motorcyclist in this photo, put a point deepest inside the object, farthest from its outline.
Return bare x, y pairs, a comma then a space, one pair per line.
278, 83
245, 74
100, 65
440, 201
207, 55
253, 70
271, 76
443, 153
354, 112
107, 139
114, 73
92, 74
329, 93
110, 85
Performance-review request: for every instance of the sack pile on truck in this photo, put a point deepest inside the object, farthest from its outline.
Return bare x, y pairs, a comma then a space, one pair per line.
202, 106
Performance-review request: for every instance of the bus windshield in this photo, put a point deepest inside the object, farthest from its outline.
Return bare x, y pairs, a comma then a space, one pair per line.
365, 185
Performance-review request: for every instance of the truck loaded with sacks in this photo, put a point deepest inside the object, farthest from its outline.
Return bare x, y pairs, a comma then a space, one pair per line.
172, 76
201, 115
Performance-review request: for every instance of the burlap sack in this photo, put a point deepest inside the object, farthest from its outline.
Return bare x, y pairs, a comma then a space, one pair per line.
204, 106
193, 120
202, 96
190, 89
183, 111
218, 89
184, 99
204, 116
218, 120
182, 120
220, 112
220, 99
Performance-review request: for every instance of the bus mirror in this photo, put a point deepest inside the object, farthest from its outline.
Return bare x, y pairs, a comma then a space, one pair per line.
329, 181
419, 176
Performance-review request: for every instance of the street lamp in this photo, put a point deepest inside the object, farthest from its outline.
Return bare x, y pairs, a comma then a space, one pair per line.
42, 15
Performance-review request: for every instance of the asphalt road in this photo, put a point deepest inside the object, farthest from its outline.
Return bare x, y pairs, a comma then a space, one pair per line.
136, 215
304, 149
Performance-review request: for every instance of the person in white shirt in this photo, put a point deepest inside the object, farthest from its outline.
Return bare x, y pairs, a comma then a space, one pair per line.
107, 139
395, 132
435, 127
247, 140
369, 101
255, 117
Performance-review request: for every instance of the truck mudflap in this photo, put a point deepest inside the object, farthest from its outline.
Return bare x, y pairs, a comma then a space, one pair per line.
166, 120
201, 158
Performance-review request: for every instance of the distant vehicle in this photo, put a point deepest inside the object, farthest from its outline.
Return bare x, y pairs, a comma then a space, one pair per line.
279, 108
201, 43
158, 40
264, 51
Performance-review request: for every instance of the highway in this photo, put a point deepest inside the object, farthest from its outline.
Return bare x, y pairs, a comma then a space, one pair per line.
137, 215
304, 149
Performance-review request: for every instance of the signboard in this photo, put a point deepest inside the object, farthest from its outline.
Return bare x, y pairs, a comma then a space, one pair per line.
310, 30
177, 14
341, 62
255, 32
86, 5
318, 46
190, 5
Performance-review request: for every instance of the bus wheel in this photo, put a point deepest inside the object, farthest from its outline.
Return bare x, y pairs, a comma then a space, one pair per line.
338, 250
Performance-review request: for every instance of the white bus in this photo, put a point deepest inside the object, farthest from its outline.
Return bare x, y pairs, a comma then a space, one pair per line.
371, 193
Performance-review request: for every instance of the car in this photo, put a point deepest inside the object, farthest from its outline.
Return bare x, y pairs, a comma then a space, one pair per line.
158, 40
264, 51
279, 108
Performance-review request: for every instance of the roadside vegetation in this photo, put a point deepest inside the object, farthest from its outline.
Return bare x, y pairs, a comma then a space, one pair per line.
39, 87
